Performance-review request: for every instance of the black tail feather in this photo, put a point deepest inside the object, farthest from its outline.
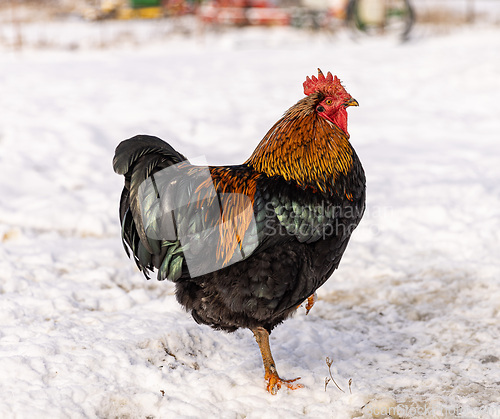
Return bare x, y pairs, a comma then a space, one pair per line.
137, 158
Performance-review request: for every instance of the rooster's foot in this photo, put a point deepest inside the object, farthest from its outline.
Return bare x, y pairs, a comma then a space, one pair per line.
274, 382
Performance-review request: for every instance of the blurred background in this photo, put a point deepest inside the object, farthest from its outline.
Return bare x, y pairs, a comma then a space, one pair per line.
102, 23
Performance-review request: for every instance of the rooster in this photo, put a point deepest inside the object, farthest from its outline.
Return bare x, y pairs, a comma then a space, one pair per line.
247, 244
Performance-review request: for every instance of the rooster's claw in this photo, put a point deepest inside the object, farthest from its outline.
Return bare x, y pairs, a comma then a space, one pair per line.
310, 302
274, 383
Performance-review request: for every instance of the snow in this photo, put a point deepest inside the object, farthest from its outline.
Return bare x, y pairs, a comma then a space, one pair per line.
412, 314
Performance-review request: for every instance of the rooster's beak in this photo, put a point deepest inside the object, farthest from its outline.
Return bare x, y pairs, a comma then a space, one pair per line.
351, 102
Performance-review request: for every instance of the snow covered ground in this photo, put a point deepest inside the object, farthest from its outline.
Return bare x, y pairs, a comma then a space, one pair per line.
412, 316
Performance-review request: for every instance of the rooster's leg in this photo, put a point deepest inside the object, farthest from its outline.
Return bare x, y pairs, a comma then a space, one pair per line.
274, 382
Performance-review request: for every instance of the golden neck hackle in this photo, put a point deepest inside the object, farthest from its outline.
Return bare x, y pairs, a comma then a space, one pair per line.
305, 148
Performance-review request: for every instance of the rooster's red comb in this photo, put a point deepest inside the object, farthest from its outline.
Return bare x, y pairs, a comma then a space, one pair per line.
329, 84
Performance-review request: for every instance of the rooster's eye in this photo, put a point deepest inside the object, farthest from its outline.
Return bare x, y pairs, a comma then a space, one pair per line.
328, 101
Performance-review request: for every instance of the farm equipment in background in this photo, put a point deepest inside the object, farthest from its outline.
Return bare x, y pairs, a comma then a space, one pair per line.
367, 16
381, 16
